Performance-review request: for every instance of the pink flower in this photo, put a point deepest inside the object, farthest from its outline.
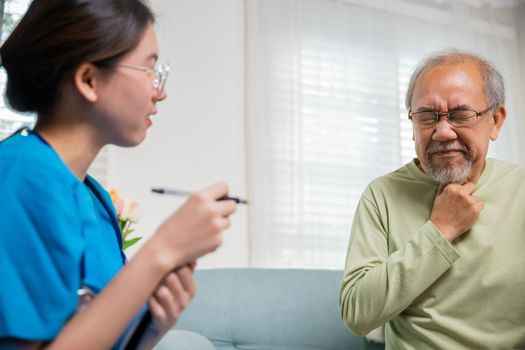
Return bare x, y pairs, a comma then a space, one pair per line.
128, 212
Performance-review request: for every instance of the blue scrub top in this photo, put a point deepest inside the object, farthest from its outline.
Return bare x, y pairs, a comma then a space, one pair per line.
56, 233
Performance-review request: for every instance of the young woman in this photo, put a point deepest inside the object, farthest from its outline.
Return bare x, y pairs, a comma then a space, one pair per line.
88, 69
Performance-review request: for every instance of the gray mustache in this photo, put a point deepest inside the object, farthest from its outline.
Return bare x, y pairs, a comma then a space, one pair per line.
441, 147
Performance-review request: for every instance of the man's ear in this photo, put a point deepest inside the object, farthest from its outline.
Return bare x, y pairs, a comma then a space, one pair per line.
499, 117
86, 79
411, 123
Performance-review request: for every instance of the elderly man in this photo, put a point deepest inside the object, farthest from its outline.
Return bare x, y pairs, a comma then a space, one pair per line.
437, 247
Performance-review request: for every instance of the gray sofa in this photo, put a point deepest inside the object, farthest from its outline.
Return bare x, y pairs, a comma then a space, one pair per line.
265, 309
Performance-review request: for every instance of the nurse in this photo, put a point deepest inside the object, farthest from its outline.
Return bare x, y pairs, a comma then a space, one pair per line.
88, 69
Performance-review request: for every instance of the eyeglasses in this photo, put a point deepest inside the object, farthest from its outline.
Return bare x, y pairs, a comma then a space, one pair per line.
161, 74
456, 118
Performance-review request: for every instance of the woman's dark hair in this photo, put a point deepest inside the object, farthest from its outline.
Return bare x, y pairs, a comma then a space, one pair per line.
56, 36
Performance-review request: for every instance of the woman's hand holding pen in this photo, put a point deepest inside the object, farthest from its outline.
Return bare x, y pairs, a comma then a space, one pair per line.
192, 231
196, 228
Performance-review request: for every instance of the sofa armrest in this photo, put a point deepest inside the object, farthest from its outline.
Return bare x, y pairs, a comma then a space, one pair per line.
184, 340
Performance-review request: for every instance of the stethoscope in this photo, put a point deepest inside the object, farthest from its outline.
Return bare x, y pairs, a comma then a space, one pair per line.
85, 297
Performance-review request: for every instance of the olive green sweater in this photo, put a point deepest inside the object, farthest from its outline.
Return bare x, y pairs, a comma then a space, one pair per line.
400, 270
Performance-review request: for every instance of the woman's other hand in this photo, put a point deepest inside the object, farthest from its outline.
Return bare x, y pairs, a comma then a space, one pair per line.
170, 298
173, 295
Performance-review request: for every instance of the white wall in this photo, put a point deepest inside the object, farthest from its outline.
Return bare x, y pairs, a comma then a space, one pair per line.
197, 137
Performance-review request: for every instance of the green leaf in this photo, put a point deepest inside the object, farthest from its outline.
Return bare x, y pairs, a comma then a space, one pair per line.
122, 224
125, 233
129, 242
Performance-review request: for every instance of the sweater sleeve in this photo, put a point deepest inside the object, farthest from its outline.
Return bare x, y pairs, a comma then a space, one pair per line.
377, 286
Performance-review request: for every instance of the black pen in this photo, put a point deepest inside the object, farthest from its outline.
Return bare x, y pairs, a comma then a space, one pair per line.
188, 193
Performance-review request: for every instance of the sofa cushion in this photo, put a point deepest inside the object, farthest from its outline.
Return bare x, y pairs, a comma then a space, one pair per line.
269, 309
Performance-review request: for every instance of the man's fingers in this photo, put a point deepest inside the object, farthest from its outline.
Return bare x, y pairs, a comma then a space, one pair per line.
468, 187
480, 206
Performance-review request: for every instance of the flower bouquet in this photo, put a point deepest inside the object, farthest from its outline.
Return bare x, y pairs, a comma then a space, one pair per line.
128, 213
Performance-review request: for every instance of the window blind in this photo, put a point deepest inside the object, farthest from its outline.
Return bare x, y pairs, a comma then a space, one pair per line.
326, 115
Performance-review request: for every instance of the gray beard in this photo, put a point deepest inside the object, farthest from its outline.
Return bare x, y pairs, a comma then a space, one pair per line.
447, 175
